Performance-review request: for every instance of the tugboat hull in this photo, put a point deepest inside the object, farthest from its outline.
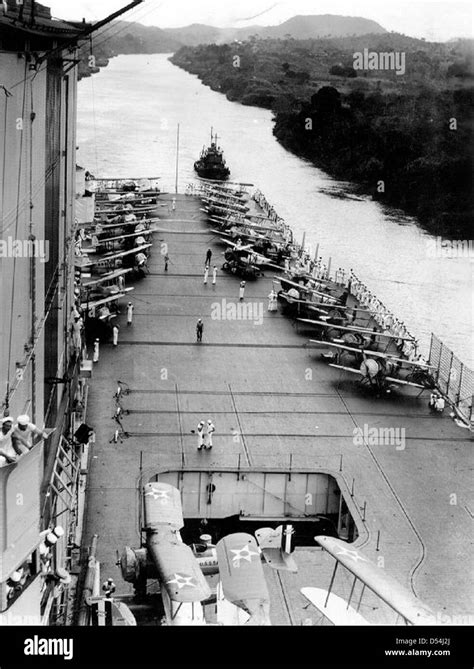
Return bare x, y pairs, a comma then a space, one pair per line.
210, 172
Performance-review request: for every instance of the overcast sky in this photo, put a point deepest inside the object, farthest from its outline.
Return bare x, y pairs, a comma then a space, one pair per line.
432, 19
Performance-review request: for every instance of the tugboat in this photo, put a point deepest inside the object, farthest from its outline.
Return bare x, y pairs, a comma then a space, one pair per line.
211, 163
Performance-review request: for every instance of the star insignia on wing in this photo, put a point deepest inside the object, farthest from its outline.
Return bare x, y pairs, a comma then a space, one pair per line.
242, 554
163, 495
354, 555
181, 580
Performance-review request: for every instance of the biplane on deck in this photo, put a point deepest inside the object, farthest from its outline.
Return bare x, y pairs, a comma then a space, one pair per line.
405, 607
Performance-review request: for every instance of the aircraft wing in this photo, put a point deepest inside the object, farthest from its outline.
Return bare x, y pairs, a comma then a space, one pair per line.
235, 246
260, 216
122, 210
404, 383
162, 504
334, 345
92, 227
107, 277
346, 369
376, 354
177, 566
313, 322
241, 571
322, 311
335, 608
376, 579
221, 232
106, 300
111, 256
354, 328
141, 233
293, 299
308, 289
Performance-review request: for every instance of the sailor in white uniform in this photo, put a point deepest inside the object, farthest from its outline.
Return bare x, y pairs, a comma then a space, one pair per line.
210, 430
7, 452
272, 301
200, 431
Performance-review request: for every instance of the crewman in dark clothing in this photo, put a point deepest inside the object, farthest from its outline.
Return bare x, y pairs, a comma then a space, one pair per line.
108, 587
199, 329
208, 257
344, 296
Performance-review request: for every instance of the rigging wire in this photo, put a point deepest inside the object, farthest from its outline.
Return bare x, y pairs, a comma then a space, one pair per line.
20, 157
32, 276
4, 154
94, 120
134, 12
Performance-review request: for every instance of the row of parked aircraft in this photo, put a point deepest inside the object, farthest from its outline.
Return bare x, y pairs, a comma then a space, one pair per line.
255, 242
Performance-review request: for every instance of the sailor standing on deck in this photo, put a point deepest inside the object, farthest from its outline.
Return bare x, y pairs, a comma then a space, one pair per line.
199, 329
200, 431
115, 332
214, 275
77, 335
272, 301
206, 274
210, 430
130, 309
208, 257
241, 290
439, 404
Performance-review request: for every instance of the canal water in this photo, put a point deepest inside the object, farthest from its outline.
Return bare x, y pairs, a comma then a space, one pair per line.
127, 122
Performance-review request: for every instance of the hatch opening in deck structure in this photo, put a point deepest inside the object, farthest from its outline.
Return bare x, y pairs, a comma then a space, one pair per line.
223, 502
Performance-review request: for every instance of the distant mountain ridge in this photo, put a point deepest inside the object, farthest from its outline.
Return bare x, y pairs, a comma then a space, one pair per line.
298, 27
133, 37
